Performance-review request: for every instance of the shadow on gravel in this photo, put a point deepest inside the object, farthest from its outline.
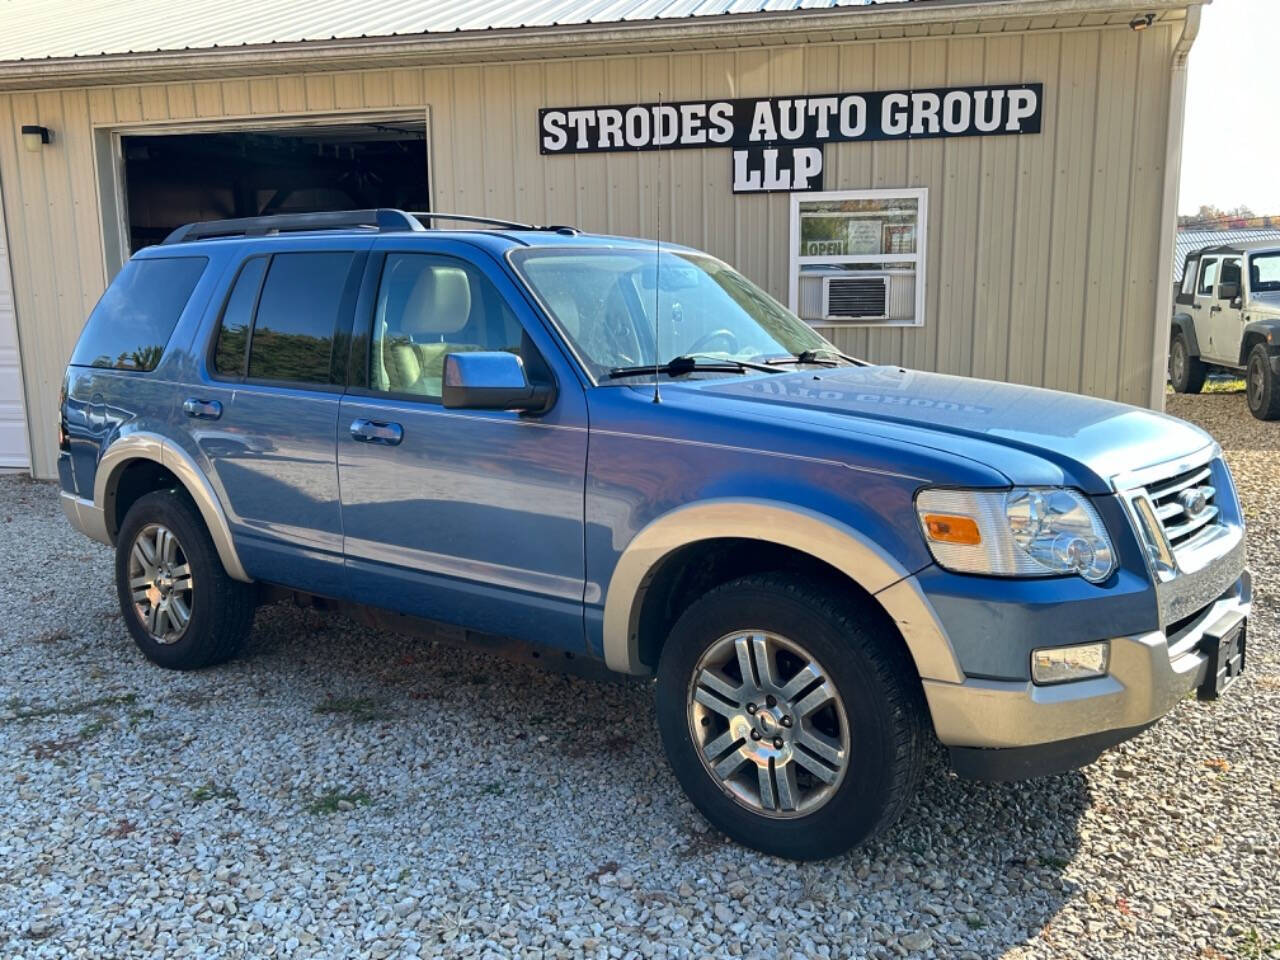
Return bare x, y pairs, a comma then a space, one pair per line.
969, 861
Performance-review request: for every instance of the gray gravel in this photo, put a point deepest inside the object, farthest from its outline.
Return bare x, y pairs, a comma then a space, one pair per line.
342, 792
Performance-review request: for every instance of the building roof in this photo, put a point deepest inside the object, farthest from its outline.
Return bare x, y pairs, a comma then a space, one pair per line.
1188, 241
33, 30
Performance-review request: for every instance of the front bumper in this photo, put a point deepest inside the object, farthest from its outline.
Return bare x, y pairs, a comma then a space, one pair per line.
1000, 729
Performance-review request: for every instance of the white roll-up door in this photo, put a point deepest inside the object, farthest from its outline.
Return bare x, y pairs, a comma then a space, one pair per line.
13, 427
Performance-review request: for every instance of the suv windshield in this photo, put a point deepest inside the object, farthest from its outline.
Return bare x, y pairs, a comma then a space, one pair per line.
604, 303
1264, 272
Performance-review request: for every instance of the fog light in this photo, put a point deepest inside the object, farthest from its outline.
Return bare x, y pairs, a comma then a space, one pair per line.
1060, 664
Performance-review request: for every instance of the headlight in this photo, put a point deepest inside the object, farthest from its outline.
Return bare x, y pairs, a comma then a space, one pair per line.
1023, 532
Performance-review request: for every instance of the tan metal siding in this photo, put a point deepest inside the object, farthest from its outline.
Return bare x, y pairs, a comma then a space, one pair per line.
1041, 249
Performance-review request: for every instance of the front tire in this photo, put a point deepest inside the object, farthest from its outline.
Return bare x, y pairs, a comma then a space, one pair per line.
180, 606
1261, 386
790, 718
1186, 372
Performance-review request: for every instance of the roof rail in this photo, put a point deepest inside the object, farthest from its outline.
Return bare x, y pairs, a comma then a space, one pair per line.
492, 221
383, 220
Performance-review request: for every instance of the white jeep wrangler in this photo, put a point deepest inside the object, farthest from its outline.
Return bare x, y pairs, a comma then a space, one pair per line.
1226, 316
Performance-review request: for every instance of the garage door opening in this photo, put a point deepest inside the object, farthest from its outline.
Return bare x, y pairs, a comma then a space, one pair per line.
172, 179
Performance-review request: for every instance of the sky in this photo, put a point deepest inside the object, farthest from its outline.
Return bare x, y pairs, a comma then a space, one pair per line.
1231, 139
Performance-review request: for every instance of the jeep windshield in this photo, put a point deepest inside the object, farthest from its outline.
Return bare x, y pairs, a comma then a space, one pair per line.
710, 320
1264, 272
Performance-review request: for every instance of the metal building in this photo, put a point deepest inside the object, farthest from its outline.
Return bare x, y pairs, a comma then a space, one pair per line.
984, 187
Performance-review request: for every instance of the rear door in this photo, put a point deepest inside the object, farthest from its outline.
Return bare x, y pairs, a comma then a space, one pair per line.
1225, 316
265, 409
469, 517
1203, 304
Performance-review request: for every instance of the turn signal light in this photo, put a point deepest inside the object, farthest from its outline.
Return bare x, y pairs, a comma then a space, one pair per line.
945, 528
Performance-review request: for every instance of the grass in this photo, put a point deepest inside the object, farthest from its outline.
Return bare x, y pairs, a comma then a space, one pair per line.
493, 789
331, 802
211, 791
68, 709
1253, 947
359, 709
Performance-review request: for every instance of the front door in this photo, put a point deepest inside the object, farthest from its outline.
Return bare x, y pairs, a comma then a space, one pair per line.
467, 517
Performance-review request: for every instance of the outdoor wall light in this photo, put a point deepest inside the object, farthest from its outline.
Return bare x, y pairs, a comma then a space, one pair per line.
34, 137
1142, 22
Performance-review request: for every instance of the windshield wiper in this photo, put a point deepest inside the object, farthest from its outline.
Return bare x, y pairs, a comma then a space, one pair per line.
824, 356
690, 363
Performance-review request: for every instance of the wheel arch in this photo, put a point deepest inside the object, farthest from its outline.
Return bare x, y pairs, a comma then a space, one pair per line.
144, 447
1260, 331
825, 541
1183, 324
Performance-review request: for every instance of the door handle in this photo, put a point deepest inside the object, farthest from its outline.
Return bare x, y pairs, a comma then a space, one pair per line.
202, 409
1195, 306
375, 431
1215, 309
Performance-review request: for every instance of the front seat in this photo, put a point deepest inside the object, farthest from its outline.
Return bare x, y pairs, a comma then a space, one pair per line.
438, 307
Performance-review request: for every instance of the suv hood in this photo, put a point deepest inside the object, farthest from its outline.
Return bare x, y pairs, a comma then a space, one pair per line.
1268, 300
1089, 440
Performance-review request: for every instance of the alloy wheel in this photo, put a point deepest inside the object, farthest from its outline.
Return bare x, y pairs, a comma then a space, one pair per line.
160, 583
768, 723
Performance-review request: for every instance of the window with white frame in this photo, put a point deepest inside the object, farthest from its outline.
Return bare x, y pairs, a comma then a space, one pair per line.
858, 256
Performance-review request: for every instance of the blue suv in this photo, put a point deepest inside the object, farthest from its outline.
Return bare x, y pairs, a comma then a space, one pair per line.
603, 452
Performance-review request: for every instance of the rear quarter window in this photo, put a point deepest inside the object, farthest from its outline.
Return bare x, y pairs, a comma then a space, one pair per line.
132, 323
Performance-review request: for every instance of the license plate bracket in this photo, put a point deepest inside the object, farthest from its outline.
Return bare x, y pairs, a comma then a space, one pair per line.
1224, 647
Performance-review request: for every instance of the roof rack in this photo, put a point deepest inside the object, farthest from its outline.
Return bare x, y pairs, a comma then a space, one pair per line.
493, 221
384, 221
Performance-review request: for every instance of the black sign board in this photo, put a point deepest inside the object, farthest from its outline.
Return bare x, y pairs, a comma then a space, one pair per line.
777, 141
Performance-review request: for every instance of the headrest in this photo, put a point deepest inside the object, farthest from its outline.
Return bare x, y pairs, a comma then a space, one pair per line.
439, 302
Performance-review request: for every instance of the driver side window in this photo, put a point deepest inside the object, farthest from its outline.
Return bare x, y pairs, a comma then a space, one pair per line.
429, 306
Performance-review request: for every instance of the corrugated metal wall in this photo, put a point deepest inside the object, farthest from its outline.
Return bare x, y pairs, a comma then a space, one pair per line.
1042, 249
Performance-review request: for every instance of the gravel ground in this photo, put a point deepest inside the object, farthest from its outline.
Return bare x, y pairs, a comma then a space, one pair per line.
341, 792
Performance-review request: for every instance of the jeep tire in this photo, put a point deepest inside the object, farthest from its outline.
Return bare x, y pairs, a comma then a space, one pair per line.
1262, 385
181, 608
791, 716
1186, 372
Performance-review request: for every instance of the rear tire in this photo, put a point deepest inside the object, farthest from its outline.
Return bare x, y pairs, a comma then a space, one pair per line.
821, 748
182, 609
1261, 386
1186, 372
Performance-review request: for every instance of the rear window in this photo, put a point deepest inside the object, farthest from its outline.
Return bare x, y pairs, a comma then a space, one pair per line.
292, 332
132, 323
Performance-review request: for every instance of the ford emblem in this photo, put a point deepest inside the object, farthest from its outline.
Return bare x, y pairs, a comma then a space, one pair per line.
1194, 500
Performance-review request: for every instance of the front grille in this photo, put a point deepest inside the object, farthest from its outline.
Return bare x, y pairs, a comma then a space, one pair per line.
856, 297
1176, 500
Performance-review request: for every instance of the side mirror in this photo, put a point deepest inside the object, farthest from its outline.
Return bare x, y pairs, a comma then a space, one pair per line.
1228, 290
492, 381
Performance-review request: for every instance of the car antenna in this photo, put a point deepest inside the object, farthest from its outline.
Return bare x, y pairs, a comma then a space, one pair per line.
657, 256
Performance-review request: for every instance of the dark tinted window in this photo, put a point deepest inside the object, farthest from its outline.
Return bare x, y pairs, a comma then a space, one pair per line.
233, 334
132, 323
297, 312
429, 307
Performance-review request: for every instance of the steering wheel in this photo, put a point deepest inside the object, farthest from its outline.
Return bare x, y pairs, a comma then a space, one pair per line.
724, 333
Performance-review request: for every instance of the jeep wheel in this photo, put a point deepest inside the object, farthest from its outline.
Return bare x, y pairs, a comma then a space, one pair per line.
790, 723
181, 607
1186, 372
1261, 388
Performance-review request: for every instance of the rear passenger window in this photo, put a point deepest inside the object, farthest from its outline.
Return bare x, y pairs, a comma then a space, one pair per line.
294, 327
1208, 277
237, 318
132, 323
